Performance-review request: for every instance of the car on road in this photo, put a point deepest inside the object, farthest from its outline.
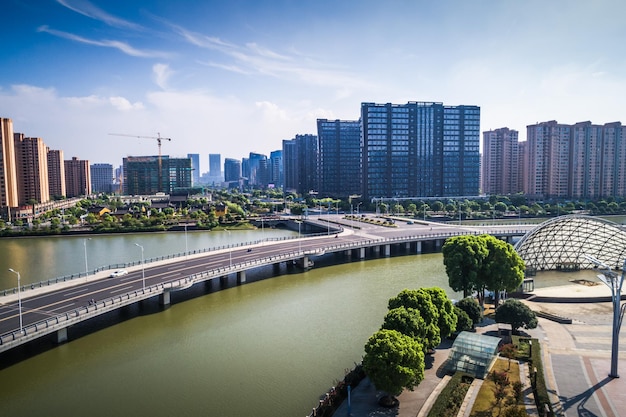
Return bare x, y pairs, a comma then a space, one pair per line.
119, 273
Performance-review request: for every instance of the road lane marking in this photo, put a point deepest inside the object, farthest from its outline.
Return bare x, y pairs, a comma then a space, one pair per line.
130, 287
67, 294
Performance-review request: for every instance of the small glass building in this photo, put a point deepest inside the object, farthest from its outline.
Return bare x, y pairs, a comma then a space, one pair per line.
473, 353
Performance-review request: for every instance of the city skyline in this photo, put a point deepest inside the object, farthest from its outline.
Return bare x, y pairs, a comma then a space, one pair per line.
231, 78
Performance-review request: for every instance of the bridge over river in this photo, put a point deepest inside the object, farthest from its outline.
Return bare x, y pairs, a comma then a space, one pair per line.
35, 311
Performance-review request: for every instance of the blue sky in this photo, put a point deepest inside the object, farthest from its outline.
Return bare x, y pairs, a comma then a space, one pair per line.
234, 77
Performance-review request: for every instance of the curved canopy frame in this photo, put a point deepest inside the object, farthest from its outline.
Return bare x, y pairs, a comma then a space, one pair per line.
564, 241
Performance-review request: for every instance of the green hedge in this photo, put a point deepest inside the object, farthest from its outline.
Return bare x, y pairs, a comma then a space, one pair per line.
451, 397
538, 381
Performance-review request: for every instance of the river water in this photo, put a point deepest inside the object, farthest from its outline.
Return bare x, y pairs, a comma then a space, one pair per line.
267, 348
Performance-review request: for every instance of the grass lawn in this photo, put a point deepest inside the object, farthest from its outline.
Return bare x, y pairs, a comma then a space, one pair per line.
485, 404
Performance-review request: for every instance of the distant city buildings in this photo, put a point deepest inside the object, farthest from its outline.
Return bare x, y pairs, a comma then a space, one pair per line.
101, 178
393, 151
195, 167
232, 172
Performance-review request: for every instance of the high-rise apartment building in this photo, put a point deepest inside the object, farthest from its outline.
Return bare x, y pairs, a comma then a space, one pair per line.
195, 167
101, 178
8, 172
339, 157
31, 157
420, 149
548, 159
501, 164
575, 161
56, 173
300, 164
77, 177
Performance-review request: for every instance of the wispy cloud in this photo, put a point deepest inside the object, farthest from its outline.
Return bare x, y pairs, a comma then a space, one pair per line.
253, 58
106, 43
87, 9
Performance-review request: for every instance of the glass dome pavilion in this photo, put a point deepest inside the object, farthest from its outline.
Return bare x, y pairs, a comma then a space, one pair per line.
563, 243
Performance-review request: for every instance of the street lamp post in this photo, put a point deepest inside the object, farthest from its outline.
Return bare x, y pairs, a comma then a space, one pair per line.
19, 299
230, 250
86, 265
143, 270
186, 245
614, 282
357, 208
299, 238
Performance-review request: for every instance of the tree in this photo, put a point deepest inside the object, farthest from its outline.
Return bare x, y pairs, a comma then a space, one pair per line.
471, 307
407, 321
463, 257
464, 323
517, 314
421, 300
447, 317
393, 362
503, 268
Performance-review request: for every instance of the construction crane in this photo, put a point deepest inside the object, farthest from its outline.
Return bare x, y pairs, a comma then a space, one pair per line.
159, 139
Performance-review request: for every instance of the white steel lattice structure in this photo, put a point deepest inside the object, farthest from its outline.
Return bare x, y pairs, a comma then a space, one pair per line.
564, 241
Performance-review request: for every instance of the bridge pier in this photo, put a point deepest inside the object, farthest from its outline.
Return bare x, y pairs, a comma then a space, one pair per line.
224, 280
277, 268
407, 246
164, 299
387, 250
241, 277
418, 248
361, 253
438, 244
376, 250
348, 253
62, 335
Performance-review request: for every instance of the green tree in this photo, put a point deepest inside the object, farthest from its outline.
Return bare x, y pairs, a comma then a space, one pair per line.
503, 268
471, 307
393, 362
463, 257
421, 300
447, 317
517, 314
407, 321
464, 322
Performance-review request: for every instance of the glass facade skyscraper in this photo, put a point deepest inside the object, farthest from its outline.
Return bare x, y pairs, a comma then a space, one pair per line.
420, 149
339, 157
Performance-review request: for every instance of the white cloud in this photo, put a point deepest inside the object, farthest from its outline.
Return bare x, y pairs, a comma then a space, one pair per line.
161, 74
106, 43
87, 9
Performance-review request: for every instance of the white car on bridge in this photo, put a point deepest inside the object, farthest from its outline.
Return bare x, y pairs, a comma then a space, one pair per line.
119, 273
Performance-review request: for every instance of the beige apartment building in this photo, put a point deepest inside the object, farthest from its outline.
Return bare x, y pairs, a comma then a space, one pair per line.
31, 159
8, 172
501, 162
56, 173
